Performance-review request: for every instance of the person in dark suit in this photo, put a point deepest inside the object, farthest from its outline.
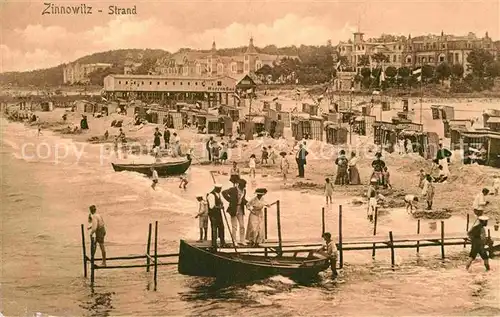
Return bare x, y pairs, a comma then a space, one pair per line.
301, 160
236, 196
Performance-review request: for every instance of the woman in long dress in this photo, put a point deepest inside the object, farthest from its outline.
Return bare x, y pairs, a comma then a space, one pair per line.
255, 228
354, 178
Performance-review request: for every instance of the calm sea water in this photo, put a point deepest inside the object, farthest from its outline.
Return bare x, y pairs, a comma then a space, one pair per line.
45, 200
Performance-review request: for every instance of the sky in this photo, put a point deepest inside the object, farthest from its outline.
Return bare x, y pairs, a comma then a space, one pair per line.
30, 40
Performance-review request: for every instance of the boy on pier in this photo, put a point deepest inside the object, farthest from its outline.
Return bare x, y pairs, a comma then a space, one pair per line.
97, 232
203, 217
329, 250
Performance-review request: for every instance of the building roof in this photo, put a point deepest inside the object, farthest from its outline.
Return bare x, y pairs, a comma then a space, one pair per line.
164, 77
493, 120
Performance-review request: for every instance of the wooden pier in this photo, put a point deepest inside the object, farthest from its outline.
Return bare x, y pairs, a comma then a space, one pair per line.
279, 247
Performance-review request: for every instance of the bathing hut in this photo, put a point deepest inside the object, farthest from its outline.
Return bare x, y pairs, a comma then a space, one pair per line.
173, 120
331, 116
220, 125
335, 134
310, 109
452, 124
232, 112
442, 112
384, 133
84, 106
490, 141
311, 126
285, 117
363, 125
491, 119
424, 143
47, 106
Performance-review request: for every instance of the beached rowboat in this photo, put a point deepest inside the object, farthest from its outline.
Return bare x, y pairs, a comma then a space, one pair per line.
163, 169
199, 261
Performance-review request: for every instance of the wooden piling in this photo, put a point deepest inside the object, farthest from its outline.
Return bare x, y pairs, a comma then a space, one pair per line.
375, 230
265, 223
279, 227
84, 249
92, 265
442, 240
148, 247
341, 252
418, 232
467, 229
156, 255
391, 241
322, 221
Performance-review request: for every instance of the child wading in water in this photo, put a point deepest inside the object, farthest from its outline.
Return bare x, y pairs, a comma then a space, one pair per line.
252, 165
184, 179
328, 191
203, 217
154, 177
284, 165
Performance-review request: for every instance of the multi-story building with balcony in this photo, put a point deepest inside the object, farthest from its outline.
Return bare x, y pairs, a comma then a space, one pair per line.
78, 73
415, 51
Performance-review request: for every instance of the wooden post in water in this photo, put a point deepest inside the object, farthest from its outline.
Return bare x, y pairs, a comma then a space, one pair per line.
279, 227
467, 229
341, 252
375, 230
156, 255
84, 249
322, 221
265, 229
92, 267
418, 232
265, 223
391, 241
442, 240
148, 248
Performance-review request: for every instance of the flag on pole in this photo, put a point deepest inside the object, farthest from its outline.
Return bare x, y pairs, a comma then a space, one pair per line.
418, 72
297, 91
104, 99
198, 105
294, 110
320, 98
237, 96
249, 91
275, 98
338, 64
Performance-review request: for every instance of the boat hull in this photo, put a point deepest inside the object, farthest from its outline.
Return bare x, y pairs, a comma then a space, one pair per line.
194, 261
163, 169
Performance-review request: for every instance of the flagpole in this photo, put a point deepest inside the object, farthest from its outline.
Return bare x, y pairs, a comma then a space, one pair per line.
421, 95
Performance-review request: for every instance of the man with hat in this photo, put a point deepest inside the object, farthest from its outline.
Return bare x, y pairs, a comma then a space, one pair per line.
215, 208
478, 239
236, 196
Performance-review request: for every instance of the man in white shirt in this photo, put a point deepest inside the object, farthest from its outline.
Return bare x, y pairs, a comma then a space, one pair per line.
154, 177
215, 209
480, 202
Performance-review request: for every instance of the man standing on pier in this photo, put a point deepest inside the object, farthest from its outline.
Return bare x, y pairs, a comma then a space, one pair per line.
237, 202
215, 209
97, 233
478, 239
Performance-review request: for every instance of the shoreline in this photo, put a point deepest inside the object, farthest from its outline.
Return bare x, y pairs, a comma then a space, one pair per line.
456, 195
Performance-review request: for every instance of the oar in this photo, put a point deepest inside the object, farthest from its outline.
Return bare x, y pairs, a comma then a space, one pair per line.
227, 222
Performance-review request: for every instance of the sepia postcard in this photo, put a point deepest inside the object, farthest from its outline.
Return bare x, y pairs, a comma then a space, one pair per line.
249, 158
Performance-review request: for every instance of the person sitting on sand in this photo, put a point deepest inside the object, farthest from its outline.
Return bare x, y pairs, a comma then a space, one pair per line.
442, 177
410, 203
202, 215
